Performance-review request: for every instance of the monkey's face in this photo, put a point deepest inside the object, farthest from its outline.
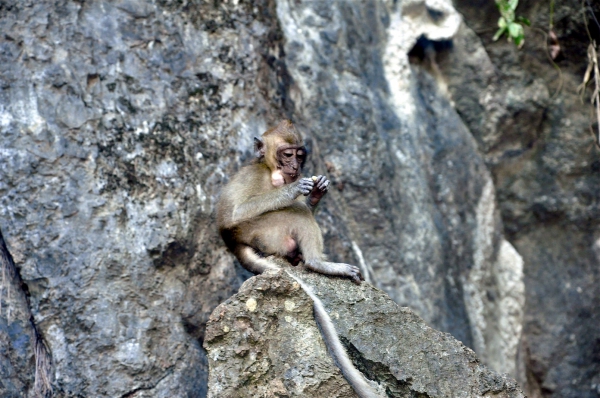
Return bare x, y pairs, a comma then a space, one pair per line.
290, 159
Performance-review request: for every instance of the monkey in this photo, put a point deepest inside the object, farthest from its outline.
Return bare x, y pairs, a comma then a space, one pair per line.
266, 213
262, 211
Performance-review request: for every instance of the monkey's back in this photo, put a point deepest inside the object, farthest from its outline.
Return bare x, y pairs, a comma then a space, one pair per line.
249, 181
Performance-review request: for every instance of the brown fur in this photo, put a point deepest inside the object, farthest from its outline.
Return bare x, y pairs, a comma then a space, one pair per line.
266, 232
273, 218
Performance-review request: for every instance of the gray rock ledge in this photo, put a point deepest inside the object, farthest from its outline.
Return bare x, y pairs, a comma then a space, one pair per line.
264, 342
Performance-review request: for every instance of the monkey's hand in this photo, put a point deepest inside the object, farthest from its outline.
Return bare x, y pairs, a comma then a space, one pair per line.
305, 186
320, 189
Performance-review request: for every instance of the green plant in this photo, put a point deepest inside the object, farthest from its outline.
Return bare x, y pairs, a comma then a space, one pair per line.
509, 24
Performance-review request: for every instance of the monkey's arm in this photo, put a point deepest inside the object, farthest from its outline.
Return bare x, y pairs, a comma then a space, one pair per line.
271, 200
320, 189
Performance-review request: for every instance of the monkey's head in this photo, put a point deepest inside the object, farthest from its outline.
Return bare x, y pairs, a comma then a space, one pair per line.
282, 150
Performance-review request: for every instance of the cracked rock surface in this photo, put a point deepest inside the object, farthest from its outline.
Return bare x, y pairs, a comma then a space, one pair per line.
264, 342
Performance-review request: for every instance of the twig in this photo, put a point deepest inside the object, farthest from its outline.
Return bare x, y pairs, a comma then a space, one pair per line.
593, 15
560, 77
596, 95
592, 67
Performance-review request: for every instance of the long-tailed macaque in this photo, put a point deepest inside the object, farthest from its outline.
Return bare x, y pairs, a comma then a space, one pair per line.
262, 211
266, 213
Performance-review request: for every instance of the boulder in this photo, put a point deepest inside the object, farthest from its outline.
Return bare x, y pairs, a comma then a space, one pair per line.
264, 342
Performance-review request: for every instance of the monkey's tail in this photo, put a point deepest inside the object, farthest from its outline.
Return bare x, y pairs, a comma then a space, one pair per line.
354, 377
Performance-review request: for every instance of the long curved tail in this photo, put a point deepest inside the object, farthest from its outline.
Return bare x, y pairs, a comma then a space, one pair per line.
354, 377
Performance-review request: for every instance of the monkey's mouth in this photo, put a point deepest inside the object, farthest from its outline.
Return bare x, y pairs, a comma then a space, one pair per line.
293, 176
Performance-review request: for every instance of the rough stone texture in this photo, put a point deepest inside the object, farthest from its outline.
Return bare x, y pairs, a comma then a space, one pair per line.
412, 202
120, 121
264, 342
537, 137
114, 116
17, 352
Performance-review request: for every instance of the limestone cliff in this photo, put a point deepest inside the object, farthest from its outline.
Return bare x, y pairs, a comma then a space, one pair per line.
121, 120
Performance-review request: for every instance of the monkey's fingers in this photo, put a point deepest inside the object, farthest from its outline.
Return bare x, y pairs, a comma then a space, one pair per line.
323, 185
305, 186
321, 182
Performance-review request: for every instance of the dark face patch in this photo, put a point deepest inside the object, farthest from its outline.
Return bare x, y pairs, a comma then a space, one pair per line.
290, 159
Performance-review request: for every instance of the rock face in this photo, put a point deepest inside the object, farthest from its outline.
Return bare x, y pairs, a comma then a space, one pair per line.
413, 203
120, 122
20, 344
264, 342
536, 134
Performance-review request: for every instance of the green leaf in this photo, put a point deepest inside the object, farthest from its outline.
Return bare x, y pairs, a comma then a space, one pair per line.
499, 33
512, 4
503, 7
524, 20
502, 23
519, 40
515, 30
510, 16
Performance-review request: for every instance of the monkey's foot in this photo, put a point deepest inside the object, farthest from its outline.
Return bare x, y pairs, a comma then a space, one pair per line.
336, 269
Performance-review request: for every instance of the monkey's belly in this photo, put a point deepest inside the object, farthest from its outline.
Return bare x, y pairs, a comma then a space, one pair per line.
288, 233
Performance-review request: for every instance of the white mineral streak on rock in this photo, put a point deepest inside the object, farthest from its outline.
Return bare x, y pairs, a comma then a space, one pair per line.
366, 270
406, 27
55, 337
474, 286
418, 18
5, 117
407, 24
130, 354
25, 111
496, 326
508, 273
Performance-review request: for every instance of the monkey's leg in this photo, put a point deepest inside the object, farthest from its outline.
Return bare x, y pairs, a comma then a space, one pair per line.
252, 261
335, 269
310, 241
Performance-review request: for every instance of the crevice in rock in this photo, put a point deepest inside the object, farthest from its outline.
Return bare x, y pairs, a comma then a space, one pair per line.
381, 374
423, 45
131, 393
11, 279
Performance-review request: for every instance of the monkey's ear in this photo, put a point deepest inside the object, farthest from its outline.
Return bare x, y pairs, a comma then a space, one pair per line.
259, 147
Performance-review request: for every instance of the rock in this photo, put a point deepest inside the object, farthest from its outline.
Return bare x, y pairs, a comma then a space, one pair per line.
121, 120
412, 202
17, 336
537, 137
264, 342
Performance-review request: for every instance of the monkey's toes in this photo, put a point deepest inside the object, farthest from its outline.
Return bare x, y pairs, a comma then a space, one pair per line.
354, 273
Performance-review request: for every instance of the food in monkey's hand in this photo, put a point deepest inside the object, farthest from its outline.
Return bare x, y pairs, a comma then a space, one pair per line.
314, 178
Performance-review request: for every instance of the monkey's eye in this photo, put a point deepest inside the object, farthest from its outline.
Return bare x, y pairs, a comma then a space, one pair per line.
288, 154
300, 154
